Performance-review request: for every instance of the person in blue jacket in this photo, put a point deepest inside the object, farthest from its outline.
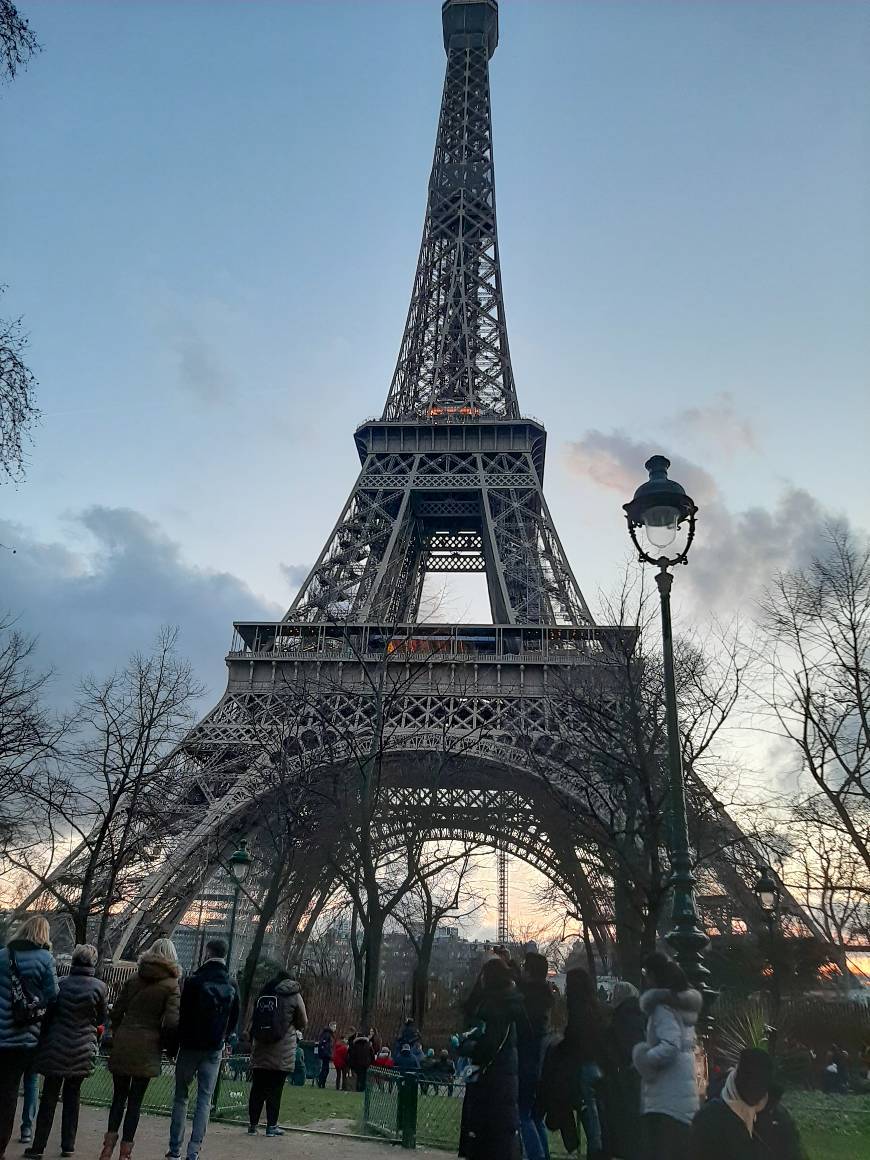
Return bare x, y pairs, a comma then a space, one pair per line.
27, 957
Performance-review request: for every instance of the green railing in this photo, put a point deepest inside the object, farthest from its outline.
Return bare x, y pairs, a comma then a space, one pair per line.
411, 1110
230, 1099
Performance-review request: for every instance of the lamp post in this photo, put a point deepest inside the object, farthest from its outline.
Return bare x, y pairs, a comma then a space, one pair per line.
769, 896
661, 508
240, 865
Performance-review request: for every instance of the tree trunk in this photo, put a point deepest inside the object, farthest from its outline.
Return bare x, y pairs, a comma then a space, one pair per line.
267, 913
371, 969
420, 985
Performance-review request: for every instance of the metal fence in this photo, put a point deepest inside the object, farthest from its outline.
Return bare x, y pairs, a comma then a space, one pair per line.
411, 1110
229, 1101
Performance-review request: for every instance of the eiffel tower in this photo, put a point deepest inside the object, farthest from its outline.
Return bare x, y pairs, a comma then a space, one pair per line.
450, 481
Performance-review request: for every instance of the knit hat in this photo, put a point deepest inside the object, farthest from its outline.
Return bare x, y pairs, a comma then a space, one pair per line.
622, 990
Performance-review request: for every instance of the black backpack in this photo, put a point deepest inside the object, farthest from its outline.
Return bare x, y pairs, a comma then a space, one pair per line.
268, 1024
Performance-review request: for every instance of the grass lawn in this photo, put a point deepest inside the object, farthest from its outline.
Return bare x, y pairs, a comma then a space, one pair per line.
306, 1105
832, 1127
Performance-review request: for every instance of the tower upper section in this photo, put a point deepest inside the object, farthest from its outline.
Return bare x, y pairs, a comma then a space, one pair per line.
454, 362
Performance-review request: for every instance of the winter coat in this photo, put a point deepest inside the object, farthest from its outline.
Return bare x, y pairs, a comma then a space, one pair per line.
407, 1063
326, 1044
626, 1031
281, 1056
145, 1017
666, 1060
490, 1114
776, 1134
209, 1008
718, 1134
68, 1045
36, 967
339, 1056
360, 1053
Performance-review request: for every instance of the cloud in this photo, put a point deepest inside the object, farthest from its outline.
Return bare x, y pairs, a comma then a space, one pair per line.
719, 425
200, 336
294, 574
615, 461
736, 553
92, 606
199, 368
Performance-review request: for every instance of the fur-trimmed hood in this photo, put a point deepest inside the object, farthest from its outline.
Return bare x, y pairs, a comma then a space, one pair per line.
153, 968
685, 1004
287, 987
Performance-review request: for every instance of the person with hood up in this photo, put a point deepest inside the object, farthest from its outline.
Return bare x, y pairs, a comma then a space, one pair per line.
27, 958
538, 999
279, 1017
740, 1123
409, 1034
68, 1049
209, 1013
325, 1051
360, 1057
666, 1059
144, 1020
407, 1063
622, 1082
490, 1109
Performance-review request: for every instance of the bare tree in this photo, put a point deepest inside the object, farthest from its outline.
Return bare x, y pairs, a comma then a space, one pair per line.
97, 812
18, 409
611, 759
18, 41
29, 734
431, 900
817, 663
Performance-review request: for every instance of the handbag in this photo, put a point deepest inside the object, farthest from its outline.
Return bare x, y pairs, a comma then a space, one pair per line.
27, 1008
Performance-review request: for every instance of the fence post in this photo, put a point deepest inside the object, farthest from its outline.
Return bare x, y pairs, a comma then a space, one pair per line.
407, 1111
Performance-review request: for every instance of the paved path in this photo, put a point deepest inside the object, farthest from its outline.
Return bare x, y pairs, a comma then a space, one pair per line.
222, 1142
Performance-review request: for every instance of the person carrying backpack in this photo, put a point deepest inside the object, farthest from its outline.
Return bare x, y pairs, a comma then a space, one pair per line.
279, 1017
325, 1050
209, 1012
28, 984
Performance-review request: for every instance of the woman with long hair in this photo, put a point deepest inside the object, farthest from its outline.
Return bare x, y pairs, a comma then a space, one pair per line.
144, 1017
666, 1058
26, 964
68, 1049
490, 1110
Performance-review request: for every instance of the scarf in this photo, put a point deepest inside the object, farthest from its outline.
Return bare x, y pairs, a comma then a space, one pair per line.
733, 1100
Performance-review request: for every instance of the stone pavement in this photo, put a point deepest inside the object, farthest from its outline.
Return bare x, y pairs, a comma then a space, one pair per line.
222, 1142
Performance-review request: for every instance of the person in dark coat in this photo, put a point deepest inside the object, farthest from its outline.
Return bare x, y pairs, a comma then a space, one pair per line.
538, 1000
68, 1049
623, 1136
144, 1018
776, 1134
272, 1060
573, 1068
208, 1013
30, 953
325, 1051
490, 1110
360, 1057
724, 1128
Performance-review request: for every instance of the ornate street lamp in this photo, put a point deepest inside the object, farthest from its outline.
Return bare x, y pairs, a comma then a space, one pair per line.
769, 895
240, 866
666, 514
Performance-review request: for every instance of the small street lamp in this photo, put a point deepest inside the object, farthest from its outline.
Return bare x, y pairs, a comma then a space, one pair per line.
662, 508
240, 866
769, 896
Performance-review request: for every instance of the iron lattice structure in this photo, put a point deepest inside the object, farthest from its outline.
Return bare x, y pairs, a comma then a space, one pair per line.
469, 720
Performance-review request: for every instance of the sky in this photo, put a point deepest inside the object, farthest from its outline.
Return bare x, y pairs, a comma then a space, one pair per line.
210, 221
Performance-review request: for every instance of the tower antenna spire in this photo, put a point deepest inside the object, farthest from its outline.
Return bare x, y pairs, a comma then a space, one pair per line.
454, 360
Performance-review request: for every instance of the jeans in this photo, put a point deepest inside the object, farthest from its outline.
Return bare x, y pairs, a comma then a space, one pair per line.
28, 1107
266, 1088
69, 1120
536, 1144
128, 1093
589, 1075
14, 1062
324, 1073
206, 1066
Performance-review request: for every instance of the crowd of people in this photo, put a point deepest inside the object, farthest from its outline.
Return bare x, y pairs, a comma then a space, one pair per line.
354, 1054
623, 1074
